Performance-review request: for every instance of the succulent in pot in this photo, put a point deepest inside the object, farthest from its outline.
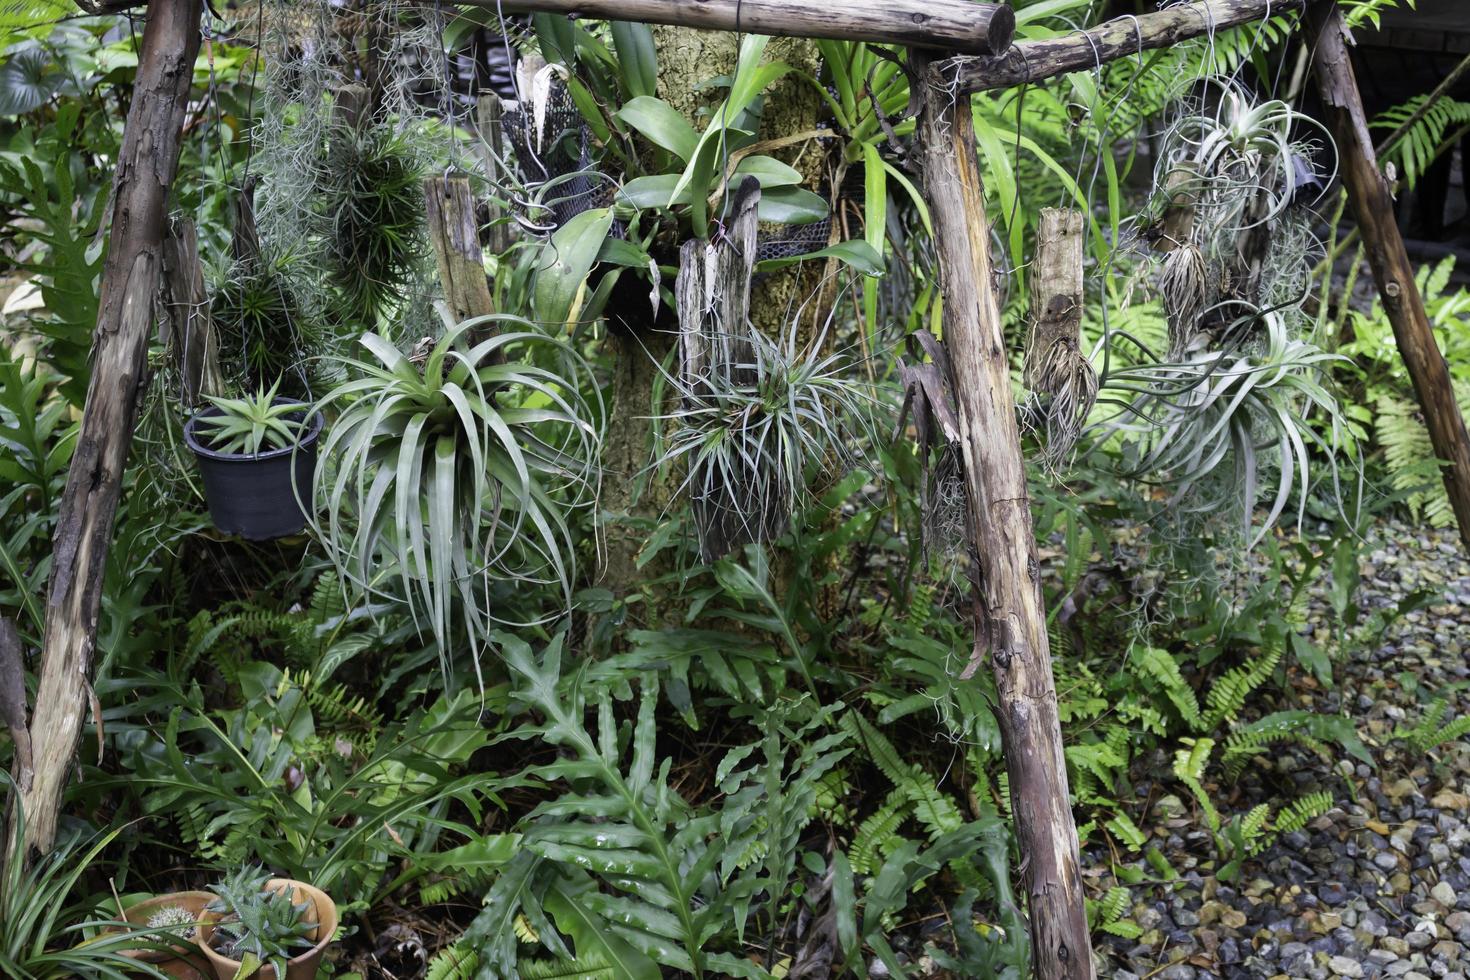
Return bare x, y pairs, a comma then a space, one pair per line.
257, 455
168, 919
266, 928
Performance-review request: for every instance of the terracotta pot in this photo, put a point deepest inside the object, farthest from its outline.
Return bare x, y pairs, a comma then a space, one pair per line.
182, 962
302, 967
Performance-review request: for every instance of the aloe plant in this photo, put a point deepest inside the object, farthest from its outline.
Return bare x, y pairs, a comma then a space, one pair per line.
456, 472
260, 926
254, 424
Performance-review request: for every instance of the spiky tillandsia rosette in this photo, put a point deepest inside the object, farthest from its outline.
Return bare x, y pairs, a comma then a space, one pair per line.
1238, 165
1247, 404
254, 424
265, 335
258, 925
750, 437
373, 202
443, 478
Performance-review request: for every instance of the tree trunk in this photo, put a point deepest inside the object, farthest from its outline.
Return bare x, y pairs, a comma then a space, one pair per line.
1373, 207
1010, 621
146, 166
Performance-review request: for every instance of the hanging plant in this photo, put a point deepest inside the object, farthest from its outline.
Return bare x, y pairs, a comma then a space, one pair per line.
461, 471
1231, 416
751, 438
266, 338
373, 200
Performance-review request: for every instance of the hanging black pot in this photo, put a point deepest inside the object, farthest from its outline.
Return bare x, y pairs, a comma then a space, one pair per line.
256, 497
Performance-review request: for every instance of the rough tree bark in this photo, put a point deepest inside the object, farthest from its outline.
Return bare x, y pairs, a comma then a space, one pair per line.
1373, 207
1010, 621
488, 115
146, 166
186, 322
1056, 288
455, 233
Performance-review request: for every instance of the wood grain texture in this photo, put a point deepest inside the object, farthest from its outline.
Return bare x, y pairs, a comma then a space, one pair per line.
952, 25
185, 320
1393, 273
488, 117
146, 165
454, 231
1056, 288
1035, 61
1010, 622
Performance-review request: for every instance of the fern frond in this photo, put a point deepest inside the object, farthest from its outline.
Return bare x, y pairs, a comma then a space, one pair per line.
1229, 692
1416, 150
877, 835
1298, 813
457, 962
588, 967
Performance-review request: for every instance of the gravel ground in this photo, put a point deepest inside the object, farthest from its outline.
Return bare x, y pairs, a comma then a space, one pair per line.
1380, 885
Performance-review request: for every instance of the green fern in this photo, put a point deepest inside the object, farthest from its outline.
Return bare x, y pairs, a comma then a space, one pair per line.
1160, 666
1429, 734
1424, 142
877, 836
591, 967
457, 962
1229, 692
1298, 813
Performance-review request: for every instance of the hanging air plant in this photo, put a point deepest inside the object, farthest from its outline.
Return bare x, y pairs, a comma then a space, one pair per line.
266, 336
1227, 418
750, 439
455, 472
373, 200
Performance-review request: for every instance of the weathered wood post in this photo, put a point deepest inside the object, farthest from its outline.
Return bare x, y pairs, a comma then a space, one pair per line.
186, 321
1373, 207
455, 234
146, 166
1010, 621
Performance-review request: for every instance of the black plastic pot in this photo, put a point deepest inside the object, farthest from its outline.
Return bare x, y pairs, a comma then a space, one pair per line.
256, 496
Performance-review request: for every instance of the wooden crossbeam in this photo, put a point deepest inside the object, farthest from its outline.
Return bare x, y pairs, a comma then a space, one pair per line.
952, 25
1035, 61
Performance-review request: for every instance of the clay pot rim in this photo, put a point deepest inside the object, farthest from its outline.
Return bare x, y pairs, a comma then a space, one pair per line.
160, 901
206, 924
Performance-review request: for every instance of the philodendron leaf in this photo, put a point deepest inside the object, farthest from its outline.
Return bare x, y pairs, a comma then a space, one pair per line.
856, 253
566, 261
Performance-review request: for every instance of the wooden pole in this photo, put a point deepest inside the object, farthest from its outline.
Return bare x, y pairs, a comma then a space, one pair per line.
1056, 289
1373, 207
455, 234
186, 318
146, 166
954, 25
1036, 61
1010, 622
489, 113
